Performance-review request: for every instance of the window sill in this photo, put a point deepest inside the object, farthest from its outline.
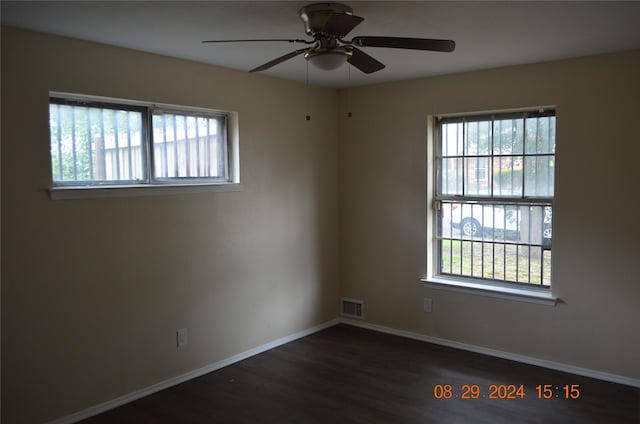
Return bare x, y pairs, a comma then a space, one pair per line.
63, 193
530, 295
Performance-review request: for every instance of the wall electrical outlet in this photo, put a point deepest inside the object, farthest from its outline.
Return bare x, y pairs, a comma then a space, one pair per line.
427, 304
182, 337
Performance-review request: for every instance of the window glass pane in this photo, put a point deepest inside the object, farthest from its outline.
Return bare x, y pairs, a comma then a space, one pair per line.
93, 144
450, 176
188, 146
546, 268
508, 136
547, 234
538, 179
540, 135
507, 176
477, 182
451, 142
446, 262
443, 224
535, 225
478, 138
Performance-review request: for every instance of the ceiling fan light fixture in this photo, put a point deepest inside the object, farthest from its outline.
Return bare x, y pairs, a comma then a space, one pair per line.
328, 60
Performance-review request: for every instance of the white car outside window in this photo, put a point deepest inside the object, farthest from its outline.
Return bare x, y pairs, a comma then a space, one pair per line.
503, 222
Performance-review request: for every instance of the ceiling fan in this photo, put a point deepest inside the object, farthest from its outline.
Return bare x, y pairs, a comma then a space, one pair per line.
328, 24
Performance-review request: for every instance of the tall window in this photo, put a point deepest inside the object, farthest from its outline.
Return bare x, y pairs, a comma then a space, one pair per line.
98, 143
494, 197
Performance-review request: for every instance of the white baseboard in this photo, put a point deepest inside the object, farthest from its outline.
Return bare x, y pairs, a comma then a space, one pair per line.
614, 378
114, 403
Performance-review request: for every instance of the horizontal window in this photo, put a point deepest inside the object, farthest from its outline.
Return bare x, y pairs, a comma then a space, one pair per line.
494, 198
98, 143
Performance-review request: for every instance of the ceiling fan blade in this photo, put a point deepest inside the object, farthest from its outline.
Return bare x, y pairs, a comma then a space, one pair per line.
263, 39
406, 43
364, 62
340, 24
280, 60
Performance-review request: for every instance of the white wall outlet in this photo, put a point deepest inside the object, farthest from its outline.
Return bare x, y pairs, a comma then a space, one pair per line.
427, 304
182, 337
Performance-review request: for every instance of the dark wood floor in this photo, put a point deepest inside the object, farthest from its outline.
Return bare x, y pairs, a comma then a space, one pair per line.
350, 375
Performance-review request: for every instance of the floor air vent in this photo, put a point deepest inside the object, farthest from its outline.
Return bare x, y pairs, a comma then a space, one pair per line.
352, 308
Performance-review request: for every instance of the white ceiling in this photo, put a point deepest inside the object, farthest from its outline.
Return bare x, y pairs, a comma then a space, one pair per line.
488, 34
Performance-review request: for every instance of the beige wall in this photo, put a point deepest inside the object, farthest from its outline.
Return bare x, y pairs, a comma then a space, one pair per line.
383, 162
94, 290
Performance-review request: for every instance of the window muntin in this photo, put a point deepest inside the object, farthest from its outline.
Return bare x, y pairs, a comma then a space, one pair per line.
494, 197
96, 143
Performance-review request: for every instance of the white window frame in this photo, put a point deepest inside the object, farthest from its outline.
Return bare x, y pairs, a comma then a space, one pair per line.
151, 185
475, 286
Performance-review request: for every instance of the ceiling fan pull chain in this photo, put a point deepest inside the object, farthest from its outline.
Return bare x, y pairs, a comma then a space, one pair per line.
307, 117
349, 114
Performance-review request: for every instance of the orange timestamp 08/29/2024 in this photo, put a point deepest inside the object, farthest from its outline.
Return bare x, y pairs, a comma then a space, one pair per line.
505, 391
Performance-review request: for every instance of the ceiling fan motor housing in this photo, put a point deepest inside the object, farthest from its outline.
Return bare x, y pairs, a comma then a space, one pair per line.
315, 15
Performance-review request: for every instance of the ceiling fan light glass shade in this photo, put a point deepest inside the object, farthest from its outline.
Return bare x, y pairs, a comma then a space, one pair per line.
328, 60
